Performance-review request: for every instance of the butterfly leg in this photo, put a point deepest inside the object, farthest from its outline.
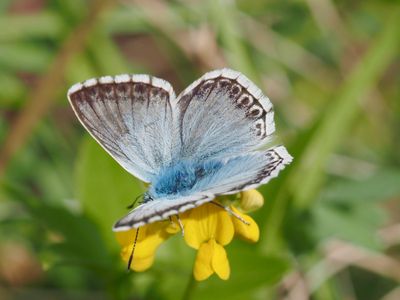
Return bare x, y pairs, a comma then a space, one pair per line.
231, 212
179, 222
134, 202
180, 225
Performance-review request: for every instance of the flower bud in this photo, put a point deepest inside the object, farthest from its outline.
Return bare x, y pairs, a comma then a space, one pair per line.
250, 200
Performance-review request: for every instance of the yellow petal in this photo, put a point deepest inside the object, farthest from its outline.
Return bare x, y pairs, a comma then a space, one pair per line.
206, 222
125, 238
220, 263
138, 264
149, 239
173, 226
146, 245
202, 266
225, 229
250, 232
251, 200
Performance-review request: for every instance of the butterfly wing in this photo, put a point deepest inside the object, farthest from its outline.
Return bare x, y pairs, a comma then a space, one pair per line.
245, 172
131, 117
223, 114
159, 209
236, 174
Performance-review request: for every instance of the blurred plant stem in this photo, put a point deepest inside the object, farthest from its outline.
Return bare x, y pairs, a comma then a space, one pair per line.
49, 85
224, 18
303, 182
337, 120
190, 287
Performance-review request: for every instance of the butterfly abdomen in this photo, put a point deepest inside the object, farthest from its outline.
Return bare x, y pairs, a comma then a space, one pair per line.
179, 179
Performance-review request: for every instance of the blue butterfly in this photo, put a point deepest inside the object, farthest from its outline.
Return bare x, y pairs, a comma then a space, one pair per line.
213, 139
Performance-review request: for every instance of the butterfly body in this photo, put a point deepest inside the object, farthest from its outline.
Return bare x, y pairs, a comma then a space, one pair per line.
181, 178
212, 139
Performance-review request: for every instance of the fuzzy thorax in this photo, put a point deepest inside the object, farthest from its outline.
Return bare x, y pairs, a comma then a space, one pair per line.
180, 179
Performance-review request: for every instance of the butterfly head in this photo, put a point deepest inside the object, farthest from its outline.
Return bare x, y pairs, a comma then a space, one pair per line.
147, 197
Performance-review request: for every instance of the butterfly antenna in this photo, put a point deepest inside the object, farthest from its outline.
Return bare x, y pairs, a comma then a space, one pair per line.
134, 202
231, 212
133, 250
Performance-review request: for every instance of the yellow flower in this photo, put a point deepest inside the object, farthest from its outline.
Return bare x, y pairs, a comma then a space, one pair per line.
248, 232
211, 258
208, 228
149, 239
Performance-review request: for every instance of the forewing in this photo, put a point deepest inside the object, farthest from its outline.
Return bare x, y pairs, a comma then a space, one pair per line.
159, 209
223, 114
131, 117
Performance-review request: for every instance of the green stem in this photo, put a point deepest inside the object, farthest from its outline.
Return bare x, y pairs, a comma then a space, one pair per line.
190, 287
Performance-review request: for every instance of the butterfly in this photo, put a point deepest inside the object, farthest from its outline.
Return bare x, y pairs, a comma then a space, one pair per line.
212, 139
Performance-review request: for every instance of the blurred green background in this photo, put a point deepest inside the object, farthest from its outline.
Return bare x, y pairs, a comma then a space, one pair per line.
330, 228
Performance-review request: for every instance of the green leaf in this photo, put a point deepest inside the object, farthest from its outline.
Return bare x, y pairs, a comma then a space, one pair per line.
380, 186
224, 17
44, 25
314, 146
250, 271
127, 20
11, 90
4, 5
351, 210
101, 46
80, 238
80, 69
357, 223
24, 57
337, 120
104, 187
